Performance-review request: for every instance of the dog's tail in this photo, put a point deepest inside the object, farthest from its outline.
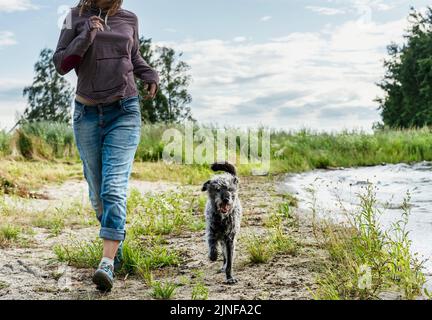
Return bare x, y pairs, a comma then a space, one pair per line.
224, 166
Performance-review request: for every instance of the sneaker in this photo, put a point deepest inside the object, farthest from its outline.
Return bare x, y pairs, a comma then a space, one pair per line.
118, 259
103, 278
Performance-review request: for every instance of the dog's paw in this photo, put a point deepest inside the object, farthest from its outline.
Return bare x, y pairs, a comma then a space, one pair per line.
213, 256
231, 281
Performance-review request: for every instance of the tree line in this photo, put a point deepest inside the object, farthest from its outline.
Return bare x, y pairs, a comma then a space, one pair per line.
407, 83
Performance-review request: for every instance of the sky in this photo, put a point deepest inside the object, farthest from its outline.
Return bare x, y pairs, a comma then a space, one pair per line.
285, 64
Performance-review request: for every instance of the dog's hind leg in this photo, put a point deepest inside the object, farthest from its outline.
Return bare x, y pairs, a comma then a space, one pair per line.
229, 249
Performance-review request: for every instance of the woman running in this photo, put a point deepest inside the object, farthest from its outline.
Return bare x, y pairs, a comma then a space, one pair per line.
100, 41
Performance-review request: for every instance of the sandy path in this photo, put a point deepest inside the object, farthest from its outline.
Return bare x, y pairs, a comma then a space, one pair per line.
33, 273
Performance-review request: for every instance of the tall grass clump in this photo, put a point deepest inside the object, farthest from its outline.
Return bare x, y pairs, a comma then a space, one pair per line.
80, 254
140, 256
151, 145
46, 140
162, 214
163, 290
290, 151
367, 261
5, 143
307, 150
276, 240
11, 235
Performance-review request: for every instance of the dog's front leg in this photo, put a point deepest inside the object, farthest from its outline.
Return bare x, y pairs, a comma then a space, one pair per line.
229, 249
212, 244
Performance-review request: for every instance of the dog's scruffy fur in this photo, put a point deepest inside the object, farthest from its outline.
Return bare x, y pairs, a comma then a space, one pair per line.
223, 215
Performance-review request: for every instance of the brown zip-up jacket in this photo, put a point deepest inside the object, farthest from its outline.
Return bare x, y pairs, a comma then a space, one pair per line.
104, 61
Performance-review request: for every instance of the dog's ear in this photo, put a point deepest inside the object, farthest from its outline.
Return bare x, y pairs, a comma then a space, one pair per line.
205, 186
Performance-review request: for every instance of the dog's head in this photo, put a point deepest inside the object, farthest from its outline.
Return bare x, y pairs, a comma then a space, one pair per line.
222, 190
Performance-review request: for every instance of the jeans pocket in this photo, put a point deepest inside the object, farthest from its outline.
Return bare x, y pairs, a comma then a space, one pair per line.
131, 105
78, 112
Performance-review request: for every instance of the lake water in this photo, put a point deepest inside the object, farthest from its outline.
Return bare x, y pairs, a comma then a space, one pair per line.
337, 189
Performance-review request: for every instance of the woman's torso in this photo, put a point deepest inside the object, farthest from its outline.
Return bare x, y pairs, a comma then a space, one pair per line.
105, 73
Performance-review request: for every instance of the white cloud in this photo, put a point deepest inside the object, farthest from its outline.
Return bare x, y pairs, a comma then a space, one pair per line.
364, 9
326, 11
11, 84
239, 39
9, 109
7, 38
302, 79
16, 5
170, 30
266, 18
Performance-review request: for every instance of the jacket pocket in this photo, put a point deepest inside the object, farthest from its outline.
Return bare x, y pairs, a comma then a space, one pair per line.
112, 67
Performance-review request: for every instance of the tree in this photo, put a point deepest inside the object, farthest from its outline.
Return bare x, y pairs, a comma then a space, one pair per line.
150, 108
407, 83
170, 104
50, 95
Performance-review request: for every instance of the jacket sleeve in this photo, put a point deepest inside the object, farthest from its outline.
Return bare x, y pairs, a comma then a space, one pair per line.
71, 46
141, 68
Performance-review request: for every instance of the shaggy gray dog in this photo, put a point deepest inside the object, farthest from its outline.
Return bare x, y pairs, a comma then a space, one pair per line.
223, 215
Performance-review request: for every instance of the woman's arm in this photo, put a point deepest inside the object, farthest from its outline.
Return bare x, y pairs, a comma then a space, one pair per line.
71, 47
141, 68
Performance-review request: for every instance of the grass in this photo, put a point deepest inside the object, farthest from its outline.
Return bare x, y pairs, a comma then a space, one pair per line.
199, 290
263, 248
80, 254
259, 249
72, 214
55, 224
291, 151
4, 285
140, 256
163, 290
11, 235
276, 241
21, 177
367, 261
163, 214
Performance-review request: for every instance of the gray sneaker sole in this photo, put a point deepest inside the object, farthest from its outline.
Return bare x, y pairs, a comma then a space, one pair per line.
102, 281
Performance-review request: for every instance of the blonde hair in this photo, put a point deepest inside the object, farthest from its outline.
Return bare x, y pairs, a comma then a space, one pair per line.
86, 4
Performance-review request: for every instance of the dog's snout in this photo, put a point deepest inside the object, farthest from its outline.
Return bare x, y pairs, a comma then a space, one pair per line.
225, 200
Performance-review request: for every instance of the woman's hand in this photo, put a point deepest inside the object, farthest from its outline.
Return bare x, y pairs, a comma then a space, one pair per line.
96, 23
152, 89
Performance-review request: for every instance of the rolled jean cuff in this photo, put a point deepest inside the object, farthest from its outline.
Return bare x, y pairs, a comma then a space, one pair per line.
112, 234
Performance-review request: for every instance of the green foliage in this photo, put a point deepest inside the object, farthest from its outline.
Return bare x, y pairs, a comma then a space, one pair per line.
199, 290
12, 235
5, 143
162, 214
276, 241
290, 151
172, 99
305, 150
80, 254
366, 260
47, 140
408, 80
50, 95
163, 290
139, 256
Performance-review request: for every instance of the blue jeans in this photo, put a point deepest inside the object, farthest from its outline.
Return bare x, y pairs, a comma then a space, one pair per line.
107, 138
